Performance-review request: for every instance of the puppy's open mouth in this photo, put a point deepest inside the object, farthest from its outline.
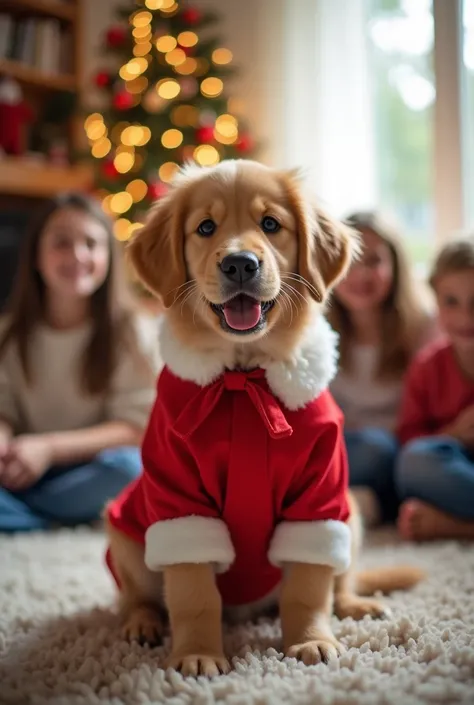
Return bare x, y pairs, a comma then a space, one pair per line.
243, 313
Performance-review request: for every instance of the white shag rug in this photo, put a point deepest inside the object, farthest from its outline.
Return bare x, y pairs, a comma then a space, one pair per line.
59, 642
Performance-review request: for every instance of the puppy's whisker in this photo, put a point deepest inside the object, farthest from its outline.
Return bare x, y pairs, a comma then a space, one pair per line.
290, 290
290, 306
292, 294
201, 300
294, 291
287, 307
301, 280
184, 302
288, 301
181, 286
189, 286
188, 295
284, 300
184, 289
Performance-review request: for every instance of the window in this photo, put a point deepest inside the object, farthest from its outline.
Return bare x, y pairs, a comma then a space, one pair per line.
468, 109
377, 98
400, 36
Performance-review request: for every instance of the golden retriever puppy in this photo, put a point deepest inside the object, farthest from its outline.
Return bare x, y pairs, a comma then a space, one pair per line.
243, 500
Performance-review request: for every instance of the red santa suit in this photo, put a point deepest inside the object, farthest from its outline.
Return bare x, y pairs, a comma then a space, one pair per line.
246, 470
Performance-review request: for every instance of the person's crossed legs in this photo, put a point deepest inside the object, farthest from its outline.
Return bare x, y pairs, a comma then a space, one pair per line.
435, 481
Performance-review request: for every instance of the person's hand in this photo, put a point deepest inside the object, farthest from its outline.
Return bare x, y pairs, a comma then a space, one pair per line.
5, 444
28, 458
463, 427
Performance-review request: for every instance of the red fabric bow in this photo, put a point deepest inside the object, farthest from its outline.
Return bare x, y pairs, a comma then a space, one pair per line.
254, 384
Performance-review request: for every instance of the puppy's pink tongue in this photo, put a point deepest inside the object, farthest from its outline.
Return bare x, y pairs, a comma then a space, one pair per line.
242, 313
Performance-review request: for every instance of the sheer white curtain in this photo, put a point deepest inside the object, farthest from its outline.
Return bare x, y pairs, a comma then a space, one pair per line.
319, 103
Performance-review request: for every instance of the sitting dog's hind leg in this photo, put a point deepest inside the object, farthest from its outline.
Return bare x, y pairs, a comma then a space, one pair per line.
141, 591
347, 603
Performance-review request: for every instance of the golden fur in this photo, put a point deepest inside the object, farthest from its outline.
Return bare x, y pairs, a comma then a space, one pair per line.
303, 261
300, 265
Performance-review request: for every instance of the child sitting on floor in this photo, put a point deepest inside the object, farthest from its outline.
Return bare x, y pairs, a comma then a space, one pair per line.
435, 469
77, 374
382, 322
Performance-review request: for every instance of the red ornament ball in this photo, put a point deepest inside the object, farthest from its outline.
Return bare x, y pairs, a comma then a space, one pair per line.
205, 134
157, 190
103, 79
191, 15
244, 144
116, 36
109, 170
122, 100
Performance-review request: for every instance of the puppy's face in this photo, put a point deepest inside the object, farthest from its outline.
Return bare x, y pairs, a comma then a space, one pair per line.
239, 248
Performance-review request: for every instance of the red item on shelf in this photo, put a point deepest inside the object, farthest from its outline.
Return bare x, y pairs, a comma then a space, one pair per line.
103, 79
191, 15
15, 114
116, 36
205, 134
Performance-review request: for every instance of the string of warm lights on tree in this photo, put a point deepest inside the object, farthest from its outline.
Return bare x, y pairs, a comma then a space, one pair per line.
166, 105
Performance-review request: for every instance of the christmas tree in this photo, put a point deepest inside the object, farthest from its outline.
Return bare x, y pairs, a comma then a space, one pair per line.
165, 104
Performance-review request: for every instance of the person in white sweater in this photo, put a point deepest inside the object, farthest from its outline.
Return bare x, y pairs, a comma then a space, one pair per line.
77, 373
382, 319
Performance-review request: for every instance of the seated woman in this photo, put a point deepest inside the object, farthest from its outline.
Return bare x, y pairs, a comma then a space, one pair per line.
382, 321
77, 374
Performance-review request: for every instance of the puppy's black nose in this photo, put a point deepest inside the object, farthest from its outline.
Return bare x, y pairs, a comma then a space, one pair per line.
240, 267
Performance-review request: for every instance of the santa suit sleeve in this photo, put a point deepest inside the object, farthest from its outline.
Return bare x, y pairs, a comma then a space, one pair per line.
313, 525
183, 522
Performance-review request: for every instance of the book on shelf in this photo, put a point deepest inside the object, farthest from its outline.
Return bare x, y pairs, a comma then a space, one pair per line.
36, 42
7, 29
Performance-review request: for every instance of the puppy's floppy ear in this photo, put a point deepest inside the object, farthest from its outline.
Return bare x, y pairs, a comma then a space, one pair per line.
326, 247
327, 250
157, 250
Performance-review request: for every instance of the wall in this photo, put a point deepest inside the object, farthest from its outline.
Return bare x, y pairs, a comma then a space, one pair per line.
251, 30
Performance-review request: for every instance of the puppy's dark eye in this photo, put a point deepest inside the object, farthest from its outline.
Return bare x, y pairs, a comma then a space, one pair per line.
206, 228
270, 225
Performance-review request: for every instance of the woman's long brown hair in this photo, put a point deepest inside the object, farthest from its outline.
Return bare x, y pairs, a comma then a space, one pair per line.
111, 314
405, 318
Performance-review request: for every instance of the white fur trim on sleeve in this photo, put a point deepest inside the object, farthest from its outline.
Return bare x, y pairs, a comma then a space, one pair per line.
191, 539
316, 542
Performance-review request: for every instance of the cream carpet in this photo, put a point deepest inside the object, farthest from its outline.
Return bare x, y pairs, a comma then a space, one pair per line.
59, 642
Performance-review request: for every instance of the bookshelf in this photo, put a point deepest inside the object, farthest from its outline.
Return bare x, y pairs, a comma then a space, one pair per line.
50, 8
22, 177
41, 81
28, 75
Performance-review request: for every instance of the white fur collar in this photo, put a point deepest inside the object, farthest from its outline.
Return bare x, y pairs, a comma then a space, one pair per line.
295, 383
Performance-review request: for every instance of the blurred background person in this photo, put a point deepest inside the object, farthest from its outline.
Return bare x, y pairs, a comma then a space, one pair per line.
382, 321
77, 373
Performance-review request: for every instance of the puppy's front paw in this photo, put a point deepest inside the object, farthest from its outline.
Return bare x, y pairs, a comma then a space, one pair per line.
199, 665
144, 625
312, 652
